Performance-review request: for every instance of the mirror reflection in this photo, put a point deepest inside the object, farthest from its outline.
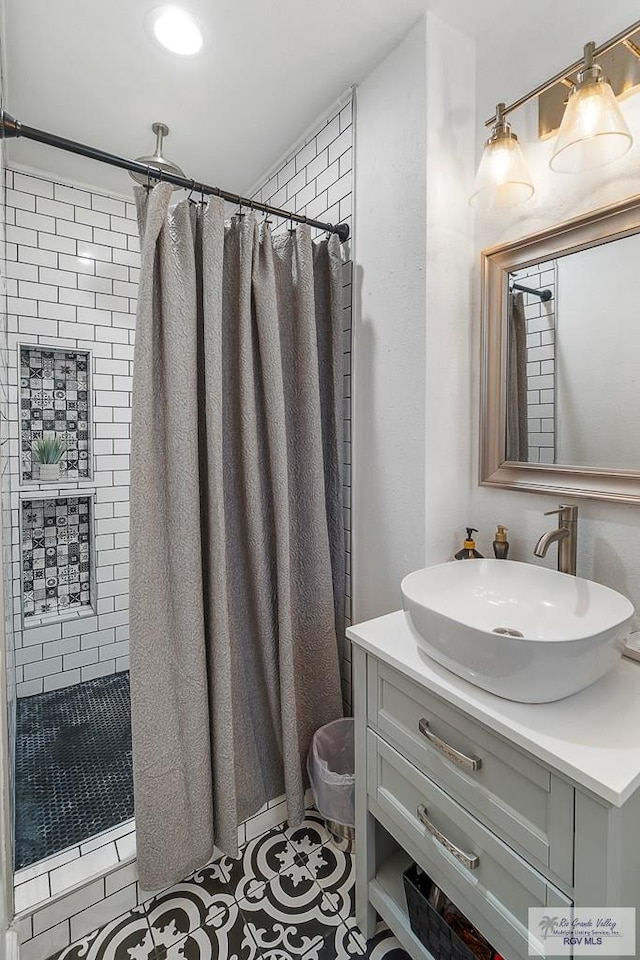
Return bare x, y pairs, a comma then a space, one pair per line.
573, 365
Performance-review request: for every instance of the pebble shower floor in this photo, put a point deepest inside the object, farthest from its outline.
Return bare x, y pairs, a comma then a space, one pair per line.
73, 766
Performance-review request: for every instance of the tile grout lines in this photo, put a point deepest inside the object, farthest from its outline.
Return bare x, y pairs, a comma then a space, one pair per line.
262, 884
235, 894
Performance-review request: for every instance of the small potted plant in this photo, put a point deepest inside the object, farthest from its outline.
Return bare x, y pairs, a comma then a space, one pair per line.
47, 454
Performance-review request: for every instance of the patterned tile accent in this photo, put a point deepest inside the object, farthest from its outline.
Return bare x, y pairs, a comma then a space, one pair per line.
56, 550
277, 901
54, 402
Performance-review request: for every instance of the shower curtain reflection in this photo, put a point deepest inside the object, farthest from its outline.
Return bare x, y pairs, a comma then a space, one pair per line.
517, 426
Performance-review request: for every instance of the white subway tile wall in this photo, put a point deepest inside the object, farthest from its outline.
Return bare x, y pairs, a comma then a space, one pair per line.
314, 178
6, 553
72, 266
540, 317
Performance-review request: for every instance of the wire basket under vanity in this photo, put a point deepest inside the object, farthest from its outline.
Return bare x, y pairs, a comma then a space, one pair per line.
430, 926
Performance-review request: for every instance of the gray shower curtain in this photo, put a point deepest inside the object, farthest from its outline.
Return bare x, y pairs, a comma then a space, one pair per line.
237, 569
517, 422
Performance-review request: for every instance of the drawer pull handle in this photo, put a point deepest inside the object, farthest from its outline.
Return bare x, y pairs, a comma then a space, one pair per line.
469, 763
470, 860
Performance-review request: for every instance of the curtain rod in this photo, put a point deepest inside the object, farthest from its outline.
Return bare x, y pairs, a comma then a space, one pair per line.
543, 294
563, 74
11, 128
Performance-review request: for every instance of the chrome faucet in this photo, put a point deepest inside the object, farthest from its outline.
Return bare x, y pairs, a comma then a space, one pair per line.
566, 536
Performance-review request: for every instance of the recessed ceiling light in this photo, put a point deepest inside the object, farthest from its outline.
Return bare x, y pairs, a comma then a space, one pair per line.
176, 30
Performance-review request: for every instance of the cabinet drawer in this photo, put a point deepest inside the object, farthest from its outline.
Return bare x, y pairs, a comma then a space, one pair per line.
495, 886
510, 792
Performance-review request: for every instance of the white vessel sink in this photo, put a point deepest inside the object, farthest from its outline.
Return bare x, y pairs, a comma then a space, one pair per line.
521, 631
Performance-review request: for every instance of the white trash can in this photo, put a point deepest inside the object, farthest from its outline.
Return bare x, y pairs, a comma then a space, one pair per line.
331, 770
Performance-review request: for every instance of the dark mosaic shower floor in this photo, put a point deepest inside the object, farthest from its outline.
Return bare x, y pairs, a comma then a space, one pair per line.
73, 766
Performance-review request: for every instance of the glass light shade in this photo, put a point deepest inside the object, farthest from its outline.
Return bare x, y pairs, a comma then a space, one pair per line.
593, 131
502, 180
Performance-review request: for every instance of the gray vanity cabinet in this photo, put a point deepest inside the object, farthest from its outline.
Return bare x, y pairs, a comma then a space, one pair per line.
495, 827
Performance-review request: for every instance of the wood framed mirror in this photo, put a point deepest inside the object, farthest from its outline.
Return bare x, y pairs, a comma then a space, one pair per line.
560, 394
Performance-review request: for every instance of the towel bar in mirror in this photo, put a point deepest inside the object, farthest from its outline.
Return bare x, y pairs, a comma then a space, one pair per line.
560, 395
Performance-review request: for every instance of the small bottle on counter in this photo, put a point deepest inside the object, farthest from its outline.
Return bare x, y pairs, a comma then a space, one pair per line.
501, 544
469, 551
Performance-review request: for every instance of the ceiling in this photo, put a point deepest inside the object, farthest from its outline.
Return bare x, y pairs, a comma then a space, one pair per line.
88, 70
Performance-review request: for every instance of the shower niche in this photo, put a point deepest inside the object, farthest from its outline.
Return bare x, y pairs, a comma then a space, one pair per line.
56, 554
55, 405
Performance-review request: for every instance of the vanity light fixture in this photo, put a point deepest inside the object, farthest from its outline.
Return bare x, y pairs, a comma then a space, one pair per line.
176, 30
593, 131
502, 179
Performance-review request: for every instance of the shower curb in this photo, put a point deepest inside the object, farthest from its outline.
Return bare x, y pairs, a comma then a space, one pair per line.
12, 945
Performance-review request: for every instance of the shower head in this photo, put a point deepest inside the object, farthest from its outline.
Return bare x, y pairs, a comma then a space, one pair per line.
161, 130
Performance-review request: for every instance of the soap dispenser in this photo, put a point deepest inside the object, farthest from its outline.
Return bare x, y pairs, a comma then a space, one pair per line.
469, 551
501, 544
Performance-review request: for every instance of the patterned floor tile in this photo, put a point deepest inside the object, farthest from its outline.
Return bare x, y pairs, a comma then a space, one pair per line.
334, 871
337, 946
224, 937
127, 938
199, 899
184, 908
289, 896
290, 915
261, 859
311, 832
334, 946
382, 946
343, 843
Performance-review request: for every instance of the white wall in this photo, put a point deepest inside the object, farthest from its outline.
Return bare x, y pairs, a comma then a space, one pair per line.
449, 259
415, 128
389, 326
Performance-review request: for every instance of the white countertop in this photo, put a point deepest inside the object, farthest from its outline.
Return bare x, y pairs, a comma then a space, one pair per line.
592, 737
